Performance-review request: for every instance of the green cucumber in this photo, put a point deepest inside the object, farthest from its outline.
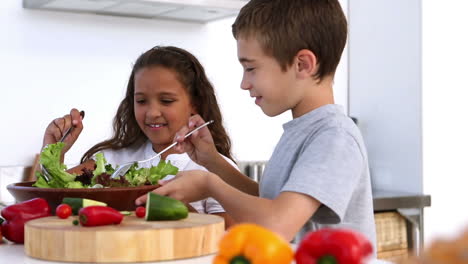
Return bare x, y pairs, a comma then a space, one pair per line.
78, 203
164, 208
125, 213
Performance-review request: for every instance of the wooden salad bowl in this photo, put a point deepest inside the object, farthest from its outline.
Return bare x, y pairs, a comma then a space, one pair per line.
120, 198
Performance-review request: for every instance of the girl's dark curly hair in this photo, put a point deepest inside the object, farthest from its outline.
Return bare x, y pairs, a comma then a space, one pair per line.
192, 75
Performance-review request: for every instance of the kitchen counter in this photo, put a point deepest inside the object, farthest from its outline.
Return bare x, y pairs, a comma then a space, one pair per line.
410, 206
13, 253
385, 200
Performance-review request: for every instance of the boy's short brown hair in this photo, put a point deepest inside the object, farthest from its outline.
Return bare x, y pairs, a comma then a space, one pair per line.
284, 27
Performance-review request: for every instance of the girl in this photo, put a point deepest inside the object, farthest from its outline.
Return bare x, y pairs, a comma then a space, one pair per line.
167, 85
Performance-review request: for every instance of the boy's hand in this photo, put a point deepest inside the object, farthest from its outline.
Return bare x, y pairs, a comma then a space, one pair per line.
200, 145
187, 186
57, 128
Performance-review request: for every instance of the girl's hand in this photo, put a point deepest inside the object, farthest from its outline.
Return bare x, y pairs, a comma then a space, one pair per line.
187, 187
200, 145
57, 128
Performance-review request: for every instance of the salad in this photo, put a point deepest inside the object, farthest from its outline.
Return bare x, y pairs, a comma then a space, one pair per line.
100, 176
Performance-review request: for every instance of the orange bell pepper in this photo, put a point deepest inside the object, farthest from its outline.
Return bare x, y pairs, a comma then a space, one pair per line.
253, 244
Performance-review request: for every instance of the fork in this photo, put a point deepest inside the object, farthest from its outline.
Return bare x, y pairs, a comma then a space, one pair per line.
122, 170
44, 171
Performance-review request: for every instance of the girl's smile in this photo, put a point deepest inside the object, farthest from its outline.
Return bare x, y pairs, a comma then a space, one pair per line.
162, 104
156, 127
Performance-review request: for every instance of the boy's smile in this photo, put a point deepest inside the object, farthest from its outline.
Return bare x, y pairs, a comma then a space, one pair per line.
276, 90
258, 100
263, 77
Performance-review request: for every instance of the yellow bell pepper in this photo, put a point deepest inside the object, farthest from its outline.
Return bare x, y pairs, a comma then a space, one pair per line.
253, 244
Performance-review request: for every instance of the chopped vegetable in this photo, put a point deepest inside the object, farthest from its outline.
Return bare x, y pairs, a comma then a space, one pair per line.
74, 184
50, 159
106, 180
77, 203
164, 208
99, 215
85, 177
126, 213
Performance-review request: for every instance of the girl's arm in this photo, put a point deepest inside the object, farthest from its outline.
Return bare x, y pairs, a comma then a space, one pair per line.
57, 128
228, 221
89, 164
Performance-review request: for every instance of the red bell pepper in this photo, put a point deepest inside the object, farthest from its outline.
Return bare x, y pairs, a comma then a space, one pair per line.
333, 246
97, 215
17, 215
1, 238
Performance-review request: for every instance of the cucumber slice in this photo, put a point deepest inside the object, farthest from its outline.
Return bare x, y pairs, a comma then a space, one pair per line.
78, 203
164, 208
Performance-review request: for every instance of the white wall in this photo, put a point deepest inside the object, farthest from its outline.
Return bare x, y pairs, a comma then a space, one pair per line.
53, 61
385, 89
445, 111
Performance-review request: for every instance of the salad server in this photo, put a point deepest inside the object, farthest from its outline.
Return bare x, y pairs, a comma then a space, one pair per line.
121, 170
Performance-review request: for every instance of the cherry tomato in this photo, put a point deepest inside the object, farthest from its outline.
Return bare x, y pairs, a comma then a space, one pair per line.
63, 211
140, 211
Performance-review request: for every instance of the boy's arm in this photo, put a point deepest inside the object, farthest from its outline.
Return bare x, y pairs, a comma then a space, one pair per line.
285, 214
201, 149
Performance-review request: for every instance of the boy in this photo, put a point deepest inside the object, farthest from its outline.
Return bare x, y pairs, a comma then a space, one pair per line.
318, 174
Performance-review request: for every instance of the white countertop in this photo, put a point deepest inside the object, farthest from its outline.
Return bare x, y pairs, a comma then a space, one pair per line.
14, 253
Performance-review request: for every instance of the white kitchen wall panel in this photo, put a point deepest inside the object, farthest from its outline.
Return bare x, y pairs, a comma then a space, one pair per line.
53, 61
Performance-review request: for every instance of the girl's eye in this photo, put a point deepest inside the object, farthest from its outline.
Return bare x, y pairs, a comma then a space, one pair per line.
249, 69
167, 101
140, 101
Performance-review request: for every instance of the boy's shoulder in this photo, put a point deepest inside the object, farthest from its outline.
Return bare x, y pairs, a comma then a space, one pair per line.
325, 117
325, 124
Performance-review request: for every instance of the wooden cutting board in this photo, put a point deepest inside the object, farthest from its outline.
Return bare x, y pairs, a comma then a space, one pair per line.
134, 240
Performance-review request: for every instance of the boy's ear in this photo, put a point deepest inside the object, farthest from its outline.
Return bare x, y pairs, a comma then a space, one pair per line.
306, 63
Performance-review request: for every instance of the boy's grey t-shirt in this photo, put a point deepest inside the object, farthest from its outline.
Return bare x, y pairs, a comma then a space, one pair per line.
322, 154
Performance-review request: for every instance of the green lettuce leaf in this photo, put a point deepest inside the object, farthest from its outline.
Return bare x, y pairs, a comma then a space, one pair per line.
50, 159
140, 176
162, 170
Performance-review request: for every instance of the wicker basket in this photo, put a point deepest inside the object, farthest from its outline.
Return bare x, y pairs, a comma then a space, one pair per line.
392, 242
